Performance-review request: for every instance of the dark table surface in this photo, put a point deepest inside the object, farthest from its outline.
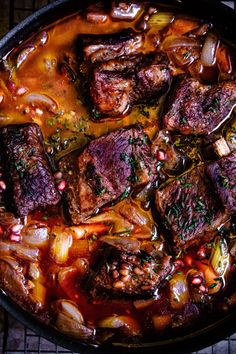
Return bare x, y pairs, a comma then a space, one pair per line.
14, 337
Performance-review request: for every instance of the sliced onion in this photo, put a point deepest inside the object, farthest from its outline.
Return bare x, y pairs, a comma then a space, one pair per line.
24, 252
41, 39
12, 277
179, 294
60, 242
1, 96
125, 11
86, 230
70, 309
161, 19
23, 55
34, 271
38, 99
73, 328
12, 262
64, 273
130, 211
35, 235
39, 293
124, 243
129, 324
220, 257
70, 320
175, 42
208, 55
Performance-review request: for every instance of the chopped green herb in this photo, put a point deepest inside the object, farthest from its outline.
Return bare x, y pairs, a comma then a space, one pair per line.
123, 156
213, 285
96, 114
99, 192
186, 184
107, 267
125, 194
223, 181
215, 105
82, 125
52, 121
188, 54
122, 233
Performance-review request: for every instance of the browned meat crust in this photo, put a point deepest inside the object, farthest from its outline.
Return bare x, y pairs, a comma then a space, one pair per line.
108, 168
223, 176
193, 108
105, 47
30, 180
119, 274
190, 208
117, 86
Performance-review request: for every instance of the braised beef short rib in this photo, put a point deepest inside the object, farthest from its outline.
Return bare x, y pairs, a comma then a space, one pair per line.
30, 181
114, 92
190, 209
193, 108
118, 75
223, 176
107, 169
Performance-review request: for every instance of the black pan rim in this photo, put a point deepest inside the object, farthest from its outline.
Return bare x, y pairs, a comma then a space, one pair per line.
185, 344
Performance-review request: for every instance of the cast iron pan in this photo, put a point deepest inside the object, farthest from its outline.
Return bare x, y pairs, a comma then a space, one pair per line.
225, 20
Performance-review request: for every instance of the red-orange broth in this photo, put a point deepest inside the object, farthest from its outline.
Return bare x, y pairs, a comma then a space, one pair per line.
51, 284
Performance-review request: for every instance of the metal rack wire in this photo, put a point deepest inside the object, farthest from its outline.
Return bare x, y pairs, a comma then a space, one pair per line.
16, 338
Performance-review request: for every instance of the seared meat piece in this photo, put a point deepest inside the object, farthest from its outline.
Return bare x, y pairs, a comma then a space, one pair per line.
29, 176
118, 85
110, 93
193, 108
223, 175
190, 208
119, 273
106, 170
105, 47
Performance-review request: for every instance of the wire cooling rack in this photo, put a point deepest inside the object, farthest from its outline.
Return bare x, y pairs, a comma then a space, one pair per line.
14, 337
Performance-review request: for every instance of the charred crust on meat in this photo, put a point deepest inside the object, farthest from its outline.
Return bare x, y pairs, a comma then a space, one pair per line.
106, 171
190, 208
193, 108
30, 179
118, 75
223, 176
